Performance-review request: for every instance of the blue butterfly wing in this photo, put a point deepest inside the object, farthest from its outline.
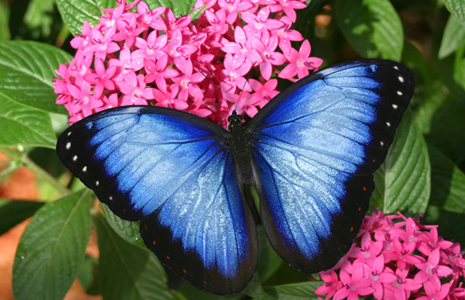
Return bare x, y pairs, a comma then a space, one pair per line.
316, 146
169, 170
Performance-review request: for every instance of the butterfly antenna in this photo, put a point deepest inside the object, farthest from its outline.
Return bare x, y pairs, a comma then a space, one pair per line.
216, 89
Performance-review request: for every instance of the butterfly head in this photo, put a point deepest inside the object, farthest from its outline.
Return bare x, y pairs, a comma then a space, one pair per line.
234, 120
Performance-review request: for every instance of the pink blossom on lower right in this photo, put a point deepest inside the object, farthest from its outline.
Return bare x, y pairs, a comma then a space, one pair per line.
395, 257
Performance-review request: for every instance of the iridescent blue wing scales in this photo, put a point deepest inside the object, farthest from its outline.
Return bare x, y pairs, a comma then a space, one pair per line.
170, 170
316, 146
210, 204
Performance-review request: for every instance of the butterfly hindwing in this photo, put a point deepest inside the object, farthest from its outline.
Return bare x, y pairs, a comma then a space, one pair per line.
206, 213
169, 169
316, 146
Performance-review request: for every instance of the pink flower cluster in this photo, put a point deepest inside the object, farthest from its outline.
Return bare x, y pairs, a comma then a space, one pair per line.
150, 57
395, 257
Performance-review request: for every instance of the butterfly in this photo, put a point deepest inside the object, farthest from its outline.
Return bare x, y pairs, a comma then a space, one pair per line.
310, 154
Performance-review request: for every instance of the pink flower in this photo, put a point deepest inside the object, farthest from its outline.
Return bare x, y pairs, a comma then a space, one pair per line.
109, 102
241, 46
217, 21
286, 35
398, 270
134, 90
126, 63
263, 92
353, 286
266, 46
150, 18
259, 23
432, 241
172, 23
82, 40
113, 16
378, 275
101, 45
430, 270
368, 251
151, 57
168, 99
235, 68
188, 82
101, 79
83, 100
158, 72
402, 286
152, 47
434, 292
288, 8
332, 284
232, 7
177, 50
300, 62
402, 254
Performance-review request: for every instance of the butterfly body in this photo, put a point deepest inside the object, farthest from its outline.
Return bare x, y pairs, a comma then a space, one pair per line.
309, 153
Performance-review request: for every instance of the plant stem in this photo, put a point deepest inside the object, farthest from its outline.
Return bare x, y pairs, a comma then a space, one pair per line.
24, 160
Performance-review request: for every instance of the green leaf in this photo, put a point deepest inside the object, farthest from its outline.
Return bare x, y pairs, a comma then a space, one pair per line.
179, 7
457, 8
447, 131
193, 293
127, 271
52, 248
24, 125
27, 70
39, 18
75, 12
429, 100
447, 182
88, 276
14, 212
295, 291
4, 18
450, 223
430, 91
269, 261
372, 27
452, 38
196, 13
255, 289
128, 230
459, 66
402, 183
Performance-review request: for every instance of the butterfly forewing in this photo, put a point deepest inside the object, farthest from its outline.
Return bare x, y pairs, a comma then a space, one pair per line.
316, 146
169, 170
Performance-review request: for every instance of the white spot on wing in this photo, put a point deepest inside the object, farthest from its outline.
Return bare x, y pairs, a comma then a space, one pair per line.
394, 106
68, 145
84, 169
75, 157
399, 93
401, 79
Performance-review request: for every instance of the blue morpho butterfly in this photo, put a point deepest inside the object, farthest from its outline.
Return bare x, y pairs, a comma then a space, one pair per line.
310, 154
